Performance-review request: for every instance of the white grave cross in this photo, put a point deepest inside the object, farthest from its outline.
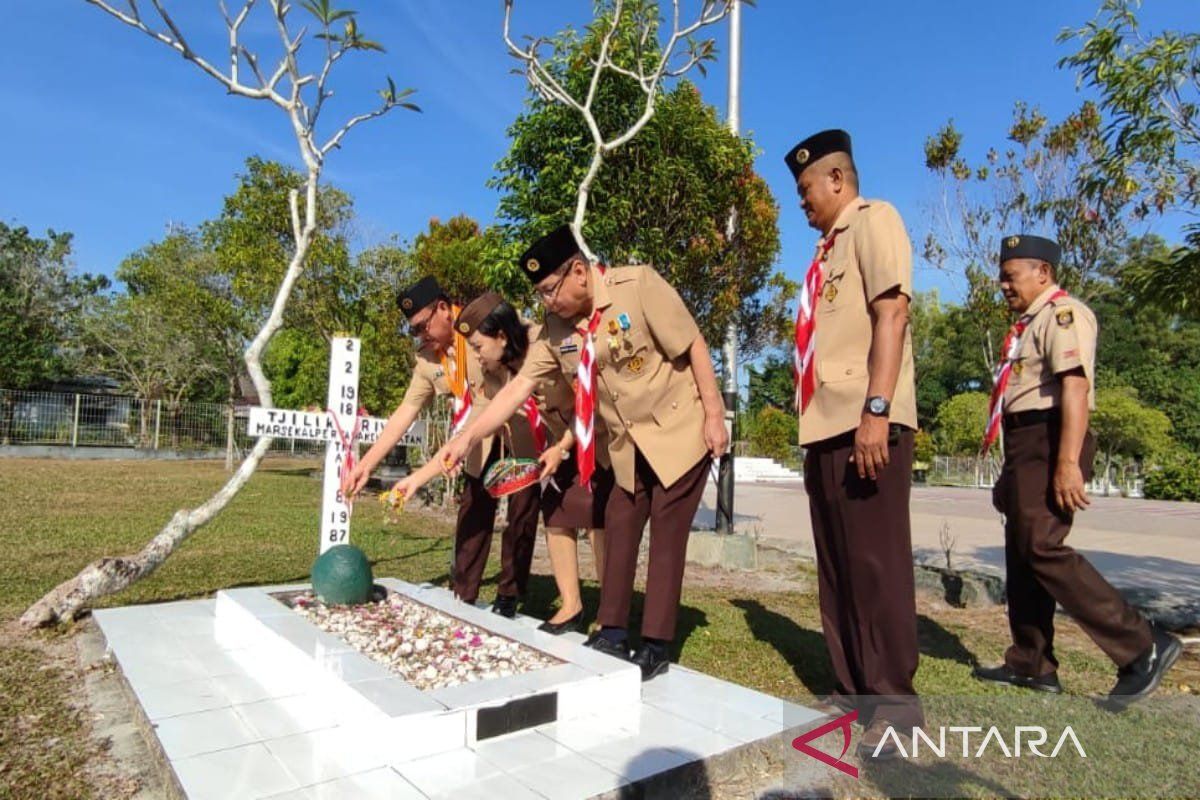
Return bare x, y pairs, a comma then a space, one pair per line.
340, 426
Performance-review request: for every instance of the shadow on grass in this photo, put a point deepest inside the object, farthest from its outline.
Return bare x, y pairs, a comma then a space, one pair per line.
800, 647
934, 640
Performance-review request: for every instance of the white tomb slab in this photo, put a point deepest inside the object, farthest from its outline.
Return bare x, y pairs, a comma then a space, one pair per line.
249, 699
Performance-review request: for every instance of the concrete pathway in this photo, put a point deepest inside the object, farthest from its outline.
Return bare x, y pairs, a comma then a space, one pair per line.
1146, 544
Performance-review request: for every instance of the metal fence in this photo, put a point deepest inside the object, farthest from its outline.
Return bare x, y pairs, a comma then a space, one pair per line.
1124, 478
117, 421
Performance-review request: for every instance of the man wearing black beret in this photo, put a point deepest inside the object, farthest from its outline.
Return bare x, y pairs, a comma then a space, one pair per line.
1044, 390
856, 396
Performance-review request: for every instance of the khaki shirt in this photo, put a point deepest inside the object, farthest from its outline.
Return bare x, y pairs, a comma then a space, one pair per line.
647, 395
870, 256
429, 380
1061, 336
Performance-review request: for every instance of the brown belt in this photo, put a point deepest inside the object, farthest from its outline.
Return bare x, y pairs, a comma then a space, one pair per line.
1036, 416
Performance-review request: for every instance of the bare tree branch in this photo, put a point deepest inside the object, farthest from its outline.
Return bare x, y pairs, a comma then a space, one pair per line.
543, 81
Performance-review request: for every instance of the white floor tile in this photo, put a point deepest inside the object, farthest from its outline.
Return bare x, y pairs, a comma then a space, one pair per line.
446, 772
187, 697
721, 718
325, 755
581, 734
491, 788
521, 749
204, 732
162, 673
241, 688
568, 778
244, 772
378, 784
636, 758
276, 719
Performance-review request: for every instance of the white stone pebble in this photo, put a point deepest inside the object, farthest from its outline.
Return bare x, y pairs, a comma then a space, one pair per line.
428, 648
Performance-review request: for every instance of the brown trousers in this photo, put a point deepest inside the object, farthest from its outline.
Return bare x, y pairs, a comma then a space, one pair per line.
670, 510
863, 538
1043, 570
473, 538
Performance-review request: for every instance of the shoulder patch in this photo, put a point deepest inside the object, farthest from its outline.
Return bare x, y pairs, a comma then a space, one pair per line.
1065, 317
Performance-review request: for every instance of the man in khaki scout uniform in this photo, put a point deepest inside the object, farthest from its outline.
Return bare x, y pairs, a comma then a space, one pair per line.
445, 366
858, 416
1044, 390
657, 394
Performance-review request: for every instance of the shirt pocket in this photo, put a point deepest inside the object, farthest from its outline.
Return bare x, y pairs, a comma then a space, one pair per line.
630, 359
833, 293
836, 371
679, 400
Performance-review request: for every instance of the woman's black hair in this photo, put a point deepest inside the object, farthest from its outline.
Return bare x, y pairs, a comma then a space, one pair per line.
504, 319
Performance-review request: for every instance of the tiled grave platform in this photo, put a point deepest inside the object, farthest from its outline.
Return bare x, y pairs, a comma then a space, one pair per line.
248, 700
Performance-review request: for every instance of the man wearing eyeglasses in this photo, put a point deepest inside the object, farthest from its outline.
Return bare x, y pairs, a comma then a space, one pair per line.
446, 367
638, 360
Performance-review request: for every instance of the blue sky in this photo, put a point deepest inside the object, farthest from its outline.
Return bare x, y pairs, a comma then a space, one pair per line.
110, 135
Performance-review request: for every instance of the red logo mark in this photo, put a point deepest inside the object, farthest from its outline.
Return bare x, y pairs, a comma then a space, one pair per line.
801, 743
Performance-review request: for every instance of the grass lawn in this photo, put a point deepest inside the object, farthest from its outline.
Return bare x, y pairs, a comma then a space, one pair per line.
57, 516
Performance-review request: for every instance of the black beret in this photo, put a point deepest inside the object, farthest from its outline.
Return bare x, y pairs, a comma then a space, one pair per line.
817, 146
1023, 246
476, 312
421, 294
548, 254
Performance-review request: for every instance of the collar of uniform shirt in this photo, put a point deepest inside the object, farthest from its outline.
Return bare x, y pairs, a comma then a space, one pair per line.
843, 218
1040, 301
600, 300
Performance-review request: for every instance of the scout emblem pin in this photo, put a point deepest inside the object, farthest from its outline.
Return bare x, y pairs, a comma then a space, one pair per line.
623, 321
635, 365
830, 292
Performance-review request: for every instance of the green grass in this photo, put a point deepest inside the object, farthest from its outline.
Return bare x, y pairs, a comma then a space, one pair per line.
58, 516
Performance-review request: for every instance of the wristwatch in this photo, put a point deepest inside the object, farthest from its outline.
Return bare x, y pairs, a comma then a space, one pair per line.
877, 406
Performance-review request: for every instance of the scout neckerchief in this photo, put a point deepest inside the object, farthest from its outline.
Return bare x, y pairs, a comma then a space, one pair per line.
585, 399
535, 424
456, 376
803, 361
1008, 356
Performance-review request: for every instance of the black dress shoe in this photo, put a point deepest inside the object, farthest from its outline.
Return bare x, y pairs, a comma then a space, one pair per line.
505, 606
1007, 675
1140, 678
601, 645
653, 661
572, 625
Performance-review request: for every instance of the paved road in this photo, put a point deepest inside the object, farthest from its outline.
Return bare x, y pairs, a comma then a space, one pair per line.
1149, 544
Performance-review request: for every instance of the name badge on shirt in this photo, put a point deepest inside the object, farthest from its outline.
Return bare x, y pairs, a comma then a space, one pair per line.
568, 347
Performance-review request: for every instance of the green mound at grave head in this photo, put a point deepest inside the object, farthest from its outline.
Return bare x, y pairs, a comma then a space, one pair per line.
341, 576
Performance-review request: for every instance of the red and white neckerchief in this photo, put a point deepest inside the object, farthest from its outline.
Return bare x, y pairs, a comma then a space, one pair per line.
536, 423
803, 357
1008, 356
585, 402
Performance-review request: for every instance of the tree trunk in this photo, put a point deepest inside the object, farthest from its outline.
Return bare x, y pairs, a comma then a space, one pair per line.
110, 575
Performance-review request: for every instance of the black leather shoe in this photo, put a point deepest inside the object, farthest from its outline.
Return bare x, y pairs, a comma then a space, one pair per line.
602, 645
572, 625
1139, 679
653, 661
505, 606
1007, 675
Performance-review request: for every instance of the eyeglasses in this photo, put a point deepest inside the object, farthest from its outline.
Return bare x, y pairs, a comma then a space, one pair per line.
418, 330
549, 294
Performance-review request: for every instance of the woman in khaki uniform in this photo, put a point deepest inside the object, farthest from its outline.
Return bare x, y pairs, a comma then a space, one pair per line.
500, 340
445, 366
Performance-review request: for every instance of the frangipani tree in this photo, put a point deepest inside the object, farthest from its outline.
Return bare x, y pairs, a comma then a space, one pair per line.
298, 86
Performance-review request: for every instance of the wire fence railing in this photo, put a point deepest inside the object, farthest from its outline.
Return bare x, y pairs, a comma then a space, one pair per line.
79, 420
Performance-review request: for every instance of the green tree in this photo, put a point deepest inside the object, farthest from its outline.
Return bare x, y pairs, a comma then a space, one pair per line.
772, 385
773, 434
662, 198
1126, 428
41, 306
960, 424
1149, 86
947, 353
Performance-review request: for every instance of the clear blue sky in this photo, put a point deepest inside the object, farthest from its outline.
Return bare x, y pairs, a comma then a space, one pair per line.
110, 135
